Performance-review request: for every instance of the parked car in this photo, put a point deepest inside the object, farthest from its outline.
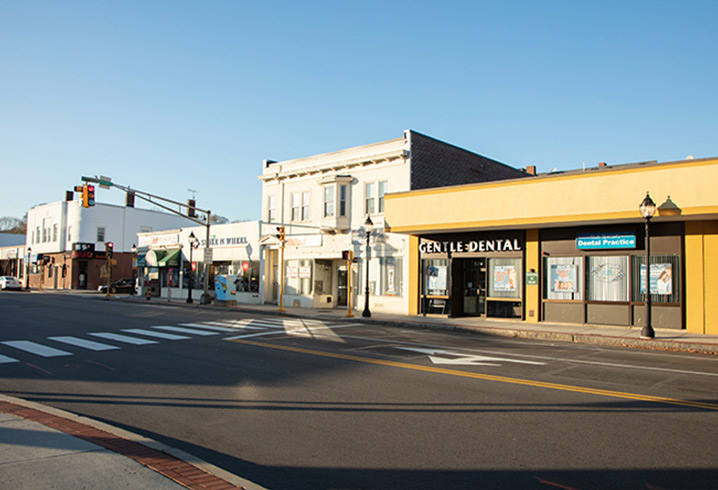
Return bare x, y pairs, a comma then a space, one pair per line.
121, 286
9, 282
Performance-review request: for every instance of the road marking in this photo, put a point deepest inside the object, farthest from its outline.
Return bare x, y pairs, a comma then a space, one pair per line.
208, 327
159, 335
299, 332
37, 349
190, 331
123, 338
86, 344
6, 359
459, 358
485, 377
231, 325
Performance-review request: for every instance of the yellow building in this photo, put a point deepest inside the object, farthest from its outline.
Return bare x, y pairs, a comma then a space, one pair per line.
568, 246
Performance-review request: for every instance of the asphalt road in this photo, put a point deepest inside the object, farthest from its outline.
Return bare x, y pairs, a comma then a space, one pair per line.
313, 404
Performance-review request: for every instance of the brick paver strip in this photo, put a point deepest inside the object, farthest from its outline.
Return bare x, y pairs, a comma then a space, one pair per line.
171, 467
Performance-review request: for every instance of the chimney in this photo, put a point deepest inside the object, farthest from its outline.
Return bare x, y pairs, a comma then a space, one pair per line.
601, 164
531, 169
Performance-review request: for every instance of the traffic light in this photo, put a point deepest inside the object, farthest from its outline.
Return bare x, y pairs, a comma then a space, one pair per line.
191, 211
347, 255
109, 246
130, 199
88, 195
280, 233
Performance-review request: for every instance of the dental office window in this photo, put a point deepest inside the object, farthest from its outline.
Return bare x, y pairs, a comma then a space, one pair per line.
564, 278
663, 277
607, 278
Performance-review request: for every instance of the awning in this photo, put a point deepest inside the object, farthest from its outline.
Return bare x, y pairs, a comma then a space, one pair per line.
160, 258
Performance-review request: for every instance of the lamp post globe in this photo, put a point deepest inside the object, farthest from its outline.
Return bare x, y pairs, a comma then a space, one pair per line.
368, 225
648, 210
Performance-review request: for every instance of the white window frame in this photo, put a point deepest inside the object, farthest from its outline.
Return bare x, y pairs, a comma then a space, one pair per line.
272, 209
101, 234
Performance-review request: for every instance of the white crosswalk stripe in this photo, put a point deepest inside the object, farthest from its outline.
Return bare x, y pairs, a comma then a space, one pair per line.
6, 359
209, 327
35, 348
123, 338
85, 344
159, 335
189, 331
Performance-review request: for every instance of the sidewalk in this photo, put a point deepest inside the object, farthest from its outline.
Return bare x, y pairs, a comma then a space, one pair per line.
42, 447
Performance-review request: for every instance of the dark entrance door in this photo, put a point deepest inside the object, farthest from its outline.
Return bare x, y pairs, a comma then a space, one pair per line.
474, 287
82, 274
342, 290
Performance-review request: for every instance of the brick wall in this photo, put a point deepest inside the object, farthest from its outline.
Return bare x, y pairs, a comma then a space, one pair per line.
437, 164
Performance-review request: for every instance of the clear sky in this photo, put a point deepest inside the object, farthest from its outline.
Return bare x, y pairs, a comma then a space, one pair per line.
170, 95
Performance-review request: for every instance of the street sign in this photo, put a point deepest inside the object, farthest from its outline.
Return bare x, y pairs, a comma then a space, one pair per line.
207, 255
105, 182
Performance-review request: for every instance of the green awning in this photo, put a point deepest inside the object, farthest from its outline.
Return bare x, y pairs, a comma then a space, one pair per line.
171, 259
160, 258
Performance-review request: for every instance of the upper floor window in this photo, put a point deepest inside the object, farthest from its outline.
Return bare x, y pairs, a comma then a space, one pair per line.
100, 233
300, 206
54, 232
342, 200
375, 196
272, 209
329, 201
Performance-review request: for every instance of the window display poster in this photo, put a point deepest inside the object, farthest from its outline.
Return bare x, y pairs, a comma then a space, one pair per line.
435, 278
390, 283
292, 270
661, 279
563, 278
505, 277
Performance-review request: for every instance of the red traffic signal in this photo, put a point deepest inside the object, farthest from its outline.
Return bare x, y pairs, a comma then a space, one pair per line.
88, 195
109, 247
194, 266
245, 266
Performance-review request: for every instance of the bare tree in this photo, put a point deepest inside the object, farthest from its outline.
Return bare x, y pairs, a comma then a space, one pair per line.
10, 224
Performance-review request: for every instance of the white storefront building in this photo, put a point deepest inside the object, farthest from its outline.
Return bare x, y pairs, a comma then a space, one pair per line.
168, 263
323, 201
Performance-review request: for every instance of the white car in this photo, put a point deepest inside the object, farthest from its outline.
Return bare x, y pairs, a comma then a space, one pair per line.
9, 282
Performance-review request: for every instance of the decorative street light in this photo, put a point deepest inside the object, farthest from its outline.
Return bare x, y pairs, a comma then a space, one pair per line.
648, 210
133, 291
368, 224
27, 277
193, 243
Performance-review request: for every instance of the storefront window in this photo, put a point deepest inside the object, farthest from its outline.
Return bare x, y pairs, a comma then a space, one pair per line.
505, 278
564, 278
298, 276
436, 277
664, 273
391, 276
607, 278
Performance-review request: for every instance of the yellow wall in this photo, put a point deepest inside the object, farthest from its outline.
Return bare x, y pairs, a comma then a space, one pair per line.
533, 261
592, 196
701, 250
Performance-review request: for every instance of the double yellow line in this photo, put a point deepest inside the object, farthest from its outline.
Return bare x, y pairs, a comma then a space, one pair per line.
486, 377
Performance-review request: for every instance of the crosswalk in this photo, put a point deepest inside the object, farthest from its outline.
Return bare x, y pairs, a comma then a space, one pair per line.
11, 351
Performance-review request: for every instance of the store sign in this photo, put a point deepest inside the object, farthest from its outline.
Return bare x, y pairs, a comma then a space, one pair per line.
303, 241
498, 245
603, 242
231, 241
83, 250
158, 240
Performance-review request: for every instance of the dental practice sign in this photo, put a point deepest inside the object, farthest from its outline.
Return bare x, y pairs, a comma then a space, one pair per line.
603, 242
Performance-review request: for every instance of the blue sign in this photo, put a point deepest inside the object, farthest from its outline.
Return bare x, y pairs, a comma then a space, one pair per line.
598, 242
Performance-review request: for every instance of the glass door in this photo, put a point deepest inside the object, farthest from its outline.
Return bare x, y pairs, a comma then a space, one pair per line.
474, 287
342, 290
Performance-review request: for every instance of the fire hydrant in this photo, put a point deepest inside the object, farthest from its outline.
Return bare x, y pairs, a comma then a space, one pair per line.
148, 294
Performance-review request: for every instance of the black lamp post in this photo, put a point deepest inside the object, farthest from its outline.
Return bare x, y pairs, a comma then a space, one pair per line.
27, 277
648, 209
368, 224
193, 243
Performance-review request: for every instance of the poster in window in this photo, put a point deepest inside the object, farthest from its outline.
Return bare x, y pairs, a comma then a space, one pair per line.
436, 278
291, 270
390, 283
563, 278
505, 278
661, 279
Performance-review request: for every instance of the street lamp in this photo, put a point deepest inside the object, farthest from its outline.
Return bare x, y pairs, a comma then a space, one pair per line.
133, 291
193, 243
648, 209
27, 277
368, 224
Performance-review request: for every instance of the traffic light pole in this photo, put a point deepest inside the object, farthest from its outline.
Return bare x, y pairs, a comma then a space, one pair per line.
160, 202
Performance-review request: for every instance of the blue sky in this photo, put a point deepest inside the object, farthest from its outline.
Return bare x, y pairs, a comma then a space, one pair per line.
171, 95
